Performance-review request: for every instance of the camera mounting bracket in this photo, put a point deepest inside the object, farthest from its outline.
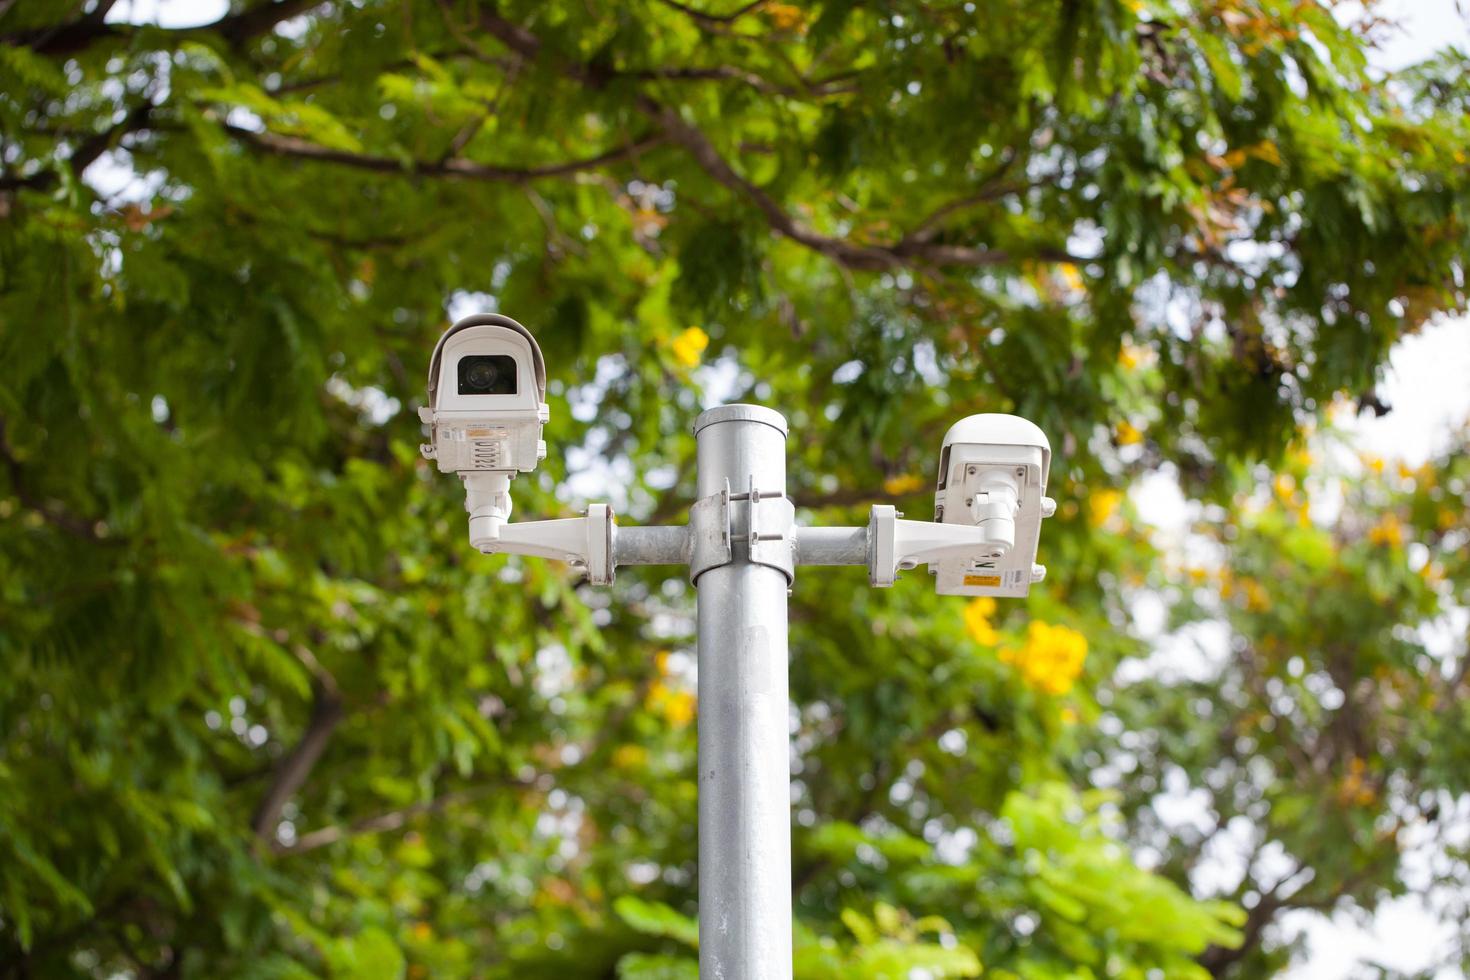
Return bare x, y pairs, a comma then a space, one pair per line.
582, 542
895, 544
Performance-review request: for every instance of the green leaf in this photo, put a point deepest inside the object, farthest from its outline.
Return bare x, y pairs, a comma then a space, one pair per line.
657, 919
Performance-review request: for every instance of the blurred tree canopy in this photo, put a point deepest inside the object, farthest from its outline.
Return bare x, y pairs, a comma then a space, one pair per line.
264, 714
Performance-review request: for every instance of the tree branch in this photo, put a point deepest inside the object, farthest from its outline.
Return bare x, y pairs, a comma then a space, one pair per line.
389, 821
1218, 959
86, 152
697, 145
692, 140
52, 514
296, 766
243, 26
714, 19
845, 252
734, 73
78, 35
456, 168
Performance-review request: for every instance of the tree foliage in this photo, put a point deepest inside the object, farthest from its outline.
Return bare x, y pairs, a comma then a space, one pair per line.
265, 714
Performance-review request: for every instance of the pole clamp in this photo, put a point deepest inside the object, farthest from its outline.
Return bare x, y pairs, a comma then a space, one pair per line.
765, 533
770, 518
709, 533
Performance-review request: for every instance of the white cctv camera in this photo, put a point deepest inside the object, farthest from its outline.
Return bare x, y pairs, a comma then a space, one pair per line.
487, 406
487, 398
987, 513
992, 475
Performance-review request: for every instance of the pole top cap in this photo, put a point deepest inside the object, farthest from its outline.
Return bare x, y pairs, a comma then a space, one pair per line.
742, 413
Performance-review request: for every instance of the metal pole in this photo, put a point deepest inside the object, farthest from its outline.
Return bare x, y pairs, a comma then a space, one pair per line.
744, 753
831, 546
650, 545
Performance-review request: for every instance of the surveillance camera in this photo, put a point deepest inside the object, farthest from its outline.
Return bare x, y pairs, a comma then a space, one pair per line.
487, 398
992, 475
487, 405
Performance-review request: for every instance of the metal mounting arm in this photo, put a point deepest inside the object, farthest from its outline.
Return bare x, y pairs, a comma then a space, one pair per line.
582, 542
895, 544
595, 543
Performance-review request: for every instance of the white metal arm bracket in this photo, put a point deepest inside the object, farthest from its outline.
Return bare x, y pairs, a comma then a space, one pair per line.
582, 542
895, 544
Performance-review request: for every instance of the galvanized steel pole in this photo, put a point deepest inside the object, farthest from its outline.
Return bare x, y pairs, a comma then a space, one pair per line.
744, 753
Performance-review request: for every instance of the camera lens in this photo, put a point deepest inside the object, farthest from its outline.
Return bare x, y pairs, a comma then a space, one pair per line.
487, 374
481, 375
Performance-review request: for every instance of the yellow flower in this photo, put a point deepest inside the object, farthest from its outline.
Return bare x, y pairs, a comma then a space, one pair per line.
1197, 575
1387, 531
897, 486
677, 707
1127, 433
1354, 787
1069, 716
629, 756
1131, 356
1256, 597
689, 347
1446, 519
1374, 463
1301, 457
1101, 505
785, 16
680, 709
1285, 487
1051, 659
1267, 151
1070, 276
1406, 472
977, 621
1264, 150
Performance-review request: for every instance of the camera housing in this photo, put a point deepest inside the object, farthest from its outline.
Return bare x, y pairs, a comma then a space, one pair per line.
992, 475
487, 398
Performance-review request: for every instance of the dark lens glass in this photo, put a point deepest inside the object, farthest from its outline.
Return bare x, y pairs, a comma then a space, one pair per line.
487, 374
